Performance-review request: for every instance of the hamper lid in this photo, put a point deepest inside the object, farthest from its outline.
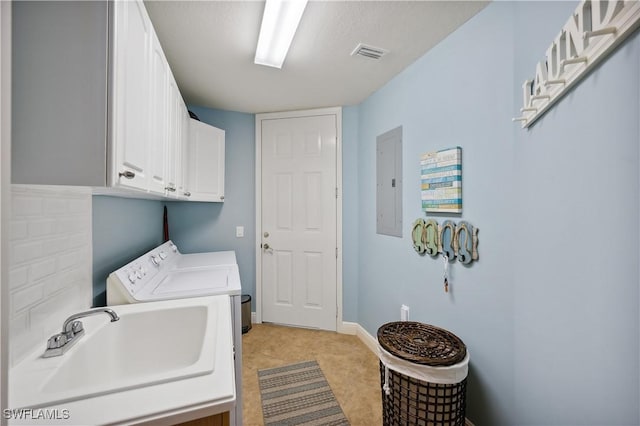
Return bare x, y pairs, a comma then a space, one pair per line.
421, 343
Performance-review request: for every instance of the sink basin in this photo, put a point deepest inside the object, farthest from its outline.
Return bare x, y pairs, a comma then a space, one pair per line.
152, 343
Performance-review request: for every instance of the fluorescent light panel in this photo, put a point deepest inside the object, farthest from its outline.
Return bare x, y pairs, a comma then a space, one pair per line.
279, 24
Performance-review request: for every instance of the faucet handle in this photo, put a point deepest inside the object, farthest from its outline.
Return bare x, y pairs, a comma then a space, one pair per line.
73, 328
57, 341
77, 327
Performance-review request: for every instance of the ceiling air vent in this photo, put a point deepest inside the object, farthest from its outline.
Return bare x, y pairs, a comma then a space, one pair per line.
369, 51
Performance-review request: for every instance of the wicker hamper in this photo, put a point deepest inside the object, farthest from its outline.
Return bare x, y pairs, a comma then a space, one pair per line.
423, 374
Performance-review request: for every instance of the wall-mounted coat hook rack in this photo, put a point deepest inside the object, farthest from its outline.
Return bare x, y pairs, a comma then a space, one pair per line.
454, 241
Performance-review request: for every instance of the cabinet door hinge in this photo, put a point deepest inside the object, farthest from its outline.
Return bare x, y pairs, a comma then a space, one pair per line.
336, 192
336, 252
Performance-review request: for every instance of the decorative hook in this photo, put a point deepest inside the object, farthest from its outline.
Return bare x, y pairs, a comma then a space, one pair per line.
540, 97
446, 272
417, 233
571, 61
559, 81
464, 238
447, 239
600, 32
430, 237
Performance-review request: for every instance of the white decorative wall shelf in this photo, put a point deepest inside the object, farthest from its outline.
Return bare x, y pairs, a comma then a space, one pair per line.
592, 32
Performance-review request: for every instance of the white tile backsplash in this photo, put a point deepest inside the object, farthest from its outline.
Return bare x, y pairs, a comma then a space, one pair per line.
24, 205
50, 260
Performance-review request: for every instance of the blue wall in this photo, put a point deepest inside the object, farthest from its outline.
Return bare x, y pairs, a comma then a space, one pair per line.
550, 311
197, 227
576, 311
123, 229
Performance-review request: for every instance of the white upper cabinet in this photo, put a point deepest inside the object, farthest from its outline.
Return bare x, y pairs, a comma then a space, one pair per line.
131, 143
206, 162
110, 115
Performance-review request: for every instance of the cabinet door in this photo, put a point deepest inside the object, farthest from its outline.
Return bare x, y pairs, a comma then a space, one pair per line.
132, 44
206, 162
174, 153
180, 149
186, 135
159, 107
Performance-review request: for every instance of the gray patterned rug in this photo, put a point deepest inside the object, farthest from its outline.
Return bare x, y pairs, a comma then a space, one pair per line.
298, 394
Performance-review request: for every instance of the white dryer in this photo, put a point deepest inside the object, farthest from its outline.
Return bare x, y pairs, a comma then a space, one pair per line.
165, 273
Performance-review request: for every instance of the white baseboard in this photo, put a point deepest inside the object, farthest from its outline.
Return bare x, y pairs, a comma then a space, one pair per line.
348, 328
355, 329
370, 341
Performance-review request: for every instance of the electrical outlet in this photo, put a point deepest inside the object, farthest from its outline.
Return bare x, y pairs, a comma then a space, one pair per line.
404, 313
239, 231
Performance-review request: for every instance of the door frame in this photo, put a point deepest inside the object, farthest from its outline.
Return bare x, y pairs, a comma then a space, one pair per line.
5, 198
337, 111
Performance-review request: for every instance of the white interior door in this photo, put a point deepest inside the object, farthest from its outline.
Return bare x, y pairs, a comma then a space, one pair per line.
299, 221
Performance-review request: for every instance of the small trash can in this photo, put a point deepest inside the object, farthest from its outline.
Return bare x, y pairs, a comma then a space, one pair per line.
423, 374
245, 303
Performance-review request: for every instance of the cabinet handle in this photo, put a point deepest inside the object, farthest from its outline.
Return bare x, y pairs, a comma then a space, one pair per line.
187, 194
222, 197
127, 174
170, 188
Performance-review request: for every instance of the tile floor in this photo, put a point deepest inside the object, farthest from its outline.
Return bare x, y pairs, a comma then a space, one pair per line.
349, 366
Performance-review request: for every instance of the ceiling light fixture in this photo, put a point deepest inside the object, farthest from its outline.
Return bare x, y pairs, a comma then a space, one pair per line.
279, 24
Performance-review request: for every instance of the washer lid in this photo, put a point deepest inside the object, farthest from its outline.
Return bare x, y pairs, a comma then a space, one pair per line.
214, 258
204, 280
192, 282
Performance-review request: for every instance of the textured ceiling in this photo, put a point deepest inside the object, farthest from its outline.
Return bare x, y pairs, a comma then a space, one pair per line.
210, 46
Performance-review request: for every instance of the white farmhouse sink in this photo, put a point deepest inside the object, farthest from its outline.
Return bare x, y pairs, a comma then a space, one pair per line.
152, 343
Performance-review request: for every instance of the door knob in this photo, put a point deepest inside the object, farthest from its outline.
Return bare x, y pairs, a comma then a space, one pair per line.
266, 246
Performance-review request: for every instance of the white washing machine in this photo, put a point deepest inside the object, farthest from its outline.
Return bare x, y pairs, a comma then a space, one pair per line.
165, 273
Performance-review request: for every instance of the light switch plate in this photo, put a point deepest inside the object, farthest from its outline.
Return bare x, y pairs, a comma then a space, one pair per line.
239, 231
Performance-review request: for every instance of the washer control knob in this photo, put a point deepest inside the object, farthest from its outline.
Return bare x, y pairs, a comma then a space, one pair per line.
132, 278
138, 274
173, 247
162, 255
154, 260
143, 270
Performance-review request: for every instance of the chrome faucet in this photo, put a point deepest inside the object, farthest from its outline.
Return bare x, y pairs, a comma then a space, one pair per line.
72, 331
